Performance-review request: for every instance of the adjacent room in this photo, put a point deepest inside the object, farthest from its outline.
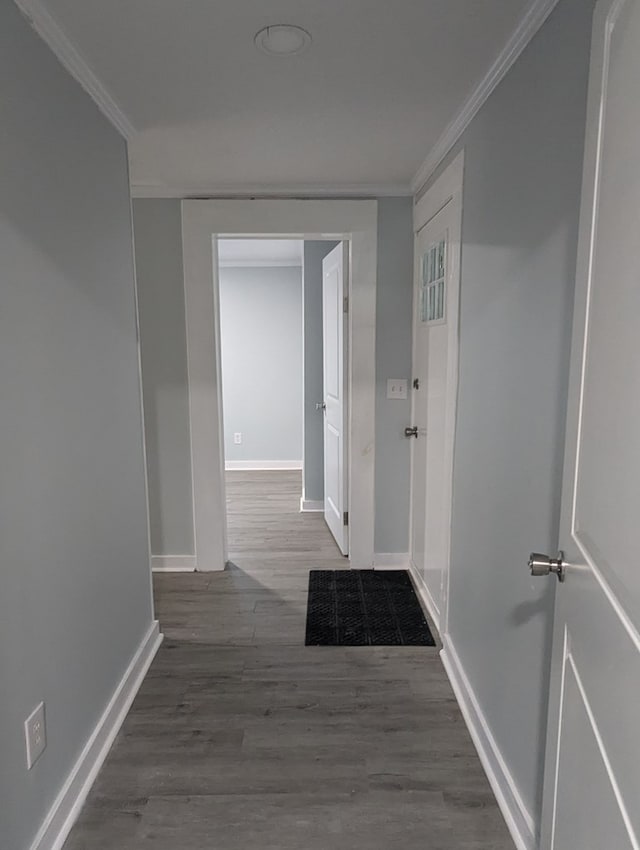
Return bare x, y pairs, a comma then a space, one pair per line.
271, 340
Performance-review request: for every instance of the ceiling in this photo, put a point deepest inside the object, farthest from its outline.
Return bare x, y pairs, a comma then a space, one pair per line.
260, 252
360, 109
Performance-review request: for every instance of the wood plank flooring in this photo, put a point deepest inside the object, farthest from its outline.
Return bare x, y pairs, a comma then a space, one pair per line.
242, 738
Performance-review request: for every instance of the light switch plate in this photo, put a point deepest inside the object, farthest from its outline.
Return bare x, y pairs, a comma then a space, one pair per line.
397, 388
35, 734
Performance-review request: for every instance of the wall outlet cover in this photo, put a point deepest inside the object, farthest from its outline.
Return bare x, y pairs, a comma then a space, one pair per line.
35, 733
237, 438
397, 388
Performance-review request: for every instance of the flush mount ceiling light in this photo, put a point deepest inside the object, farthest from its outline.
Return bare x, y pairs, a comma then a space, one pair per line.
283, 40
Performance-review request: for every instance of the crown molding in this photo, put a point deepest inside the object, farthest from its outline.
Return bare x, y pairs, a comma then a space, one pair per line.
69, 55
529, 24
261, 190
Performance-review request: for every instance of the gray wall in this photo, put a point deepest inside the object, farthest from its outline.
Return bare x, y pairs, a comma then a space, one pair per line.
158, 245
75, 596
393, 360
261, 338
313, 442
521, 203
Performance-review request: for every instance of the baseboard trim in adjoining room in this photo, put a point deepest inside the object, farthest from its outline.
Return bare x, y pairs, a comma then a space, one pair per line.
255, 465
391, 560
311, 506
519, 821
66, 808
173, 563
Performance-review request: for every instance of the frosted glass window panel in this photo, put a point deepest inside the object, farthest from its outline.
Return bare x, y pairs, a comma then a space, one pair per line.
432, 291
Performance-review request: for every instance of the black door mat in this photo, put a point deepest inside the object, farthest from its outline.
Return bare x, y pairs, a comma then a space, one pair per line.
364, 608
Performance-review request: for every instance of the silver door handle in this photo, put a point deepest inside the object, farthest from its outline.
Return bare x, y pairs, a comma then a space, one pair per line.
320, 405
543, 565
411, 431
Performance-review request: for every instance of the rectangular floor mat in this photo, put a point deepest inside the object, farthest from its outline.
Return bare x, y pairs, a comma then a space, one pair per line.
364, 608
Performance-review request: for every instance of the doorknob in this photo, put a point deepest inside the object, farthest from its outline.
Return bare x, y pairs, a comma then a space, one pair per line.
411, 432
320, 405
542, 565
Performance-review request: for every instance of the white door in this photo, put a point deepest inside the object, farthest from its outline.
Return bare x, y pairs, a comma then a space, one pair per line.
592, 773
434, 377
335, 270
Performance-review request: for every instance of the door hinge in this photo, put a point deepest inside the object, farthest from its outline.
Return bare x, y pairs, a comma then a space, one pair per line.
345, 304
416, 383
345, 518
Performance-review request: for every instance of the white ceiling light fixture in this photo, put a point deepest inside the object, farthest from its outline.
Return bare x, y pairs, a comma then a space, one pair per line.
283, 40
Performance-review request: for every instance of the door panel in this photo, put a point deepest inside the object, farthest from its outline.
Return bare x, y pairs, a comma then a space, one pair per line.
435, 370
592, 772
334, 288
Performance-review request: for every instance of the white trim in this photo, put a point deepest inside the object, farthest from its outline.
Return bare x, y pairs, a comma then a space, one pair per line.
66, 808
266, 191
143, 430
518, 818
61, 44
267, 263
439, 194
351, 220
534, 17
173, 563
311, 506
424, 593
391, 560
262, 464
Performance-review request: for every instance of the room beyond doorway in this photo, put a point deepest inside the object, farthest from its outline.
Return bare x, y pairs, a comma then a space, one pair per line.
282, 308
265, 527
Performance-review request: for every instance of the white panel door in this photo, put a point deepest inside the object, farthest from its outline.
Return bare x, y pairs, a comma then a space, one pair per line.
592, 773
335, 270
434, 386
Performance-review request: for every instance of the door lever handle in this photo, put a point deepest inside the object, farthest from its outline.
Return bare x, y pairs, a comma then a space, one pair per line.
320, 405
411, 431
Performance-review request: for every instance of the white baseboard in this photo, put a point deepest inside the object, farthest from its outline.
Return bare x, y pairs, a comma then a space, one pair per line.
391, 560
518, 818
262, 464
425, 595
66, 808
173, 563
310, 506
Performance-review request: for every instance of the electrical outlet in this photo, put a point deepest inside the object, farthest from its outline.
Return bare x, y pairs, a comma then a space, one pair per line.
237, 438
35, 733
397, 388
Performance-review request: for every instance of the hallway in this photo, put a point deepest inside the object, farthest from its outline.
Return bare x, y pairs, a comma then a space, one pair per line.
241, 737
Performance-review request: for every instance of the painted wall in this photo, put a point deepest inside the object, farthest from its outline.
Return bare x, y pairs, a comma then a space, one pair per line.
261, 338
393, 360
158, 248
313, 470
73, 516
523, 162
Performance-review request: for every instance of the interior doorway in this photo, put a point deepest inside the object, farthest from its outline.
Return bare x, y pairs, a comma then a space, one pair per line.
283, 345
203, 223
438, 219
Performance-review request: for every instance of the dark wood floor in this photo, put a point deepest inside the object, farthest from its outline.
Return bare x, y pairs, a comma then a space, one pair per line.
242, 738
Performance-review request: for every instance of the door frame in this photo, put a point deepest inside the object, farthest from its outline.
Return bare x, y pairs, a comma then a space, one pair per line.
203, 221
446, 189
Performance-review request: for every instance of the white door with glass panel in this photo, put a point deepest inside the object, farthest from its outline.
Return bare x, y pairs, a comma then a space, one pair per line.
435, 319
592, 774
335, 270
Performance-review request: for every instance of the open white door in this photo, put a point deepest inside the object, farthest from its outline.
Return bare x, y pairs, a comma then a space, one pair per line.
592, 773
434, 373
335, 286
